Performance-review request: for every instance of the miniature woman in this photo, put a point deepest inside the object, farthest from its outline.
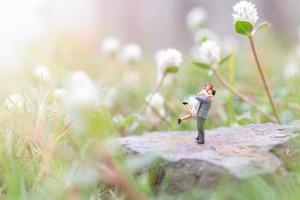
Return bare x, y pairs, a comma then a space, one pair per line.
192, 111
200, 110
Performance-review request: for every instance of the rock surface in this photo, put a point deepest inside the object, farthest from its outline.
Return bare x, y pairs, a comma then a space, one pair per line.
239, 152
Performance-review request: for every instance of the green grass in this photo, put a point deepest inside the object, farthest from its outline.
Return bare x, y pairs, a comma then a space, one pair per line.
43, 157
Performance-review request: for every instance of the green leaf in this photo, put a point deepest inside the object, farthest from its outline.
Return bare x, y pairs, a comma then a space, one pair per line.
201, 65
128, 120
224, 59
172, 69
262, 26
243, 27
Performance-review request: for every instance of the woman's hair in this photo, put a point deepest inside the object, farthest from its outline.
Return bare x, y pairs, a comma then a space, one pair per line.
211, 85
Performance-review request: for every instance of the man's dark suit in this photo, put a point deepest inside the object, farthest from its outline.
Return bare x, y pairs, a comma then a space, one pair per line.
205, 104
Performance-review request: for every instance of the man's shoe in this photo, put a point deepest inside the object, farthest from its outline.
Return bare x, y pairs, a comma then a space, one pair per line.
200, 142
197, 138
179, 121
185, 103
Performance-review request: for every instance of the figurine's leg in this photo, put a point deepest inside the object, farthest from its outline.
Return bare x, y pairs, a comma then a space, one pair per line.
185, 117
188, 108
200, 126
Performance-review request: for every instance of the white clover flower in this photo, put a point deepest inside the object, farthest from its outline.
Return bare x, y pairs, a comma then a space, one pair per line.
110, 46
42, 72
245, 11
131, 53
79, 78
15, 100
81, 174
82, 92
82, 97
204, 34
167, 58
210, 52
196, 18
156, 99
156, 108
291, 70
60, 92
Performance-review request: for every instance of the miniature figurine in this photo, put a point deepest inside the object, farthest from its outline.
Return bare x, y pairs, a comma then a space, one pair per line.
192, 111
200, 109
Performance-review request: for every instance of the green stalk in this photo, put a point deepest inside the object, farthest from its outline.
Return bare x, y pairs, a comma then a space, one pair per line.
158, 86
240, 95
263, 78
230, 106
156, 89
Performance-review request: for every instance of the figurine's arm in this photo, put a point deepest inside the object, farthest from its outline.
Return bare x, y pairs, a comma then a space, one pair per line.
203, 99
202, 92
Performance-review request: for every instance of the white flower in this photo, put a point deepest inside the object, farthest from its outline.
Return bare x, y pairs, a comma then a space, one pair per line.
82, 97
291, 70
156, 108
81, 174
110, 46
195, 18
78, 78
42, 72
60, 92
82, 92
204, 34
210, 52
131, 53
156, 99
167, 58
14, 100
245, 11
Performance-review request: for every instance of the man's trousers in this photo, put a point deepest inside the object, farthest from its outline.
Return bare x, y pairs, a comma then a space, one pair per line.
200, 126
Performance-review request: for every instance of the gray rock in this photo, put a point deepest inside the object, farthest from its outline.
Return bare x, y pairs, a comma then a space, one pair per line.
238, 152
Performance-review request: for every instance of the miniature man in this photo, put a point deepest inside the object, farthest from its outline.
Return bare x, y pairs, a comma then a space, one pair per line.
205, 104
192, 111
200, 110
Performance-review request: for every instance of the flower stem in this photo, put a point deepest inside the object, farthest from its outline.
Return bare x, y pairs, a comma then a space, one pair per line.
263, 77
158, 86
156, 89
160, 116
240, 95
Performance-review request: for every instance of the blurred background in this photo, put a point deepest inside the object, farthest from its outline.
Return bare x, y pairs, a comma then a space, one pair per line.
153, 24
76, 73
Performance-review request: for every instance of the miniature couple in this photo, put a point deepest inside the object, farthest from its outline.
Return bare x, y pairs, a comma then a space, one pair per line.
199, 109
